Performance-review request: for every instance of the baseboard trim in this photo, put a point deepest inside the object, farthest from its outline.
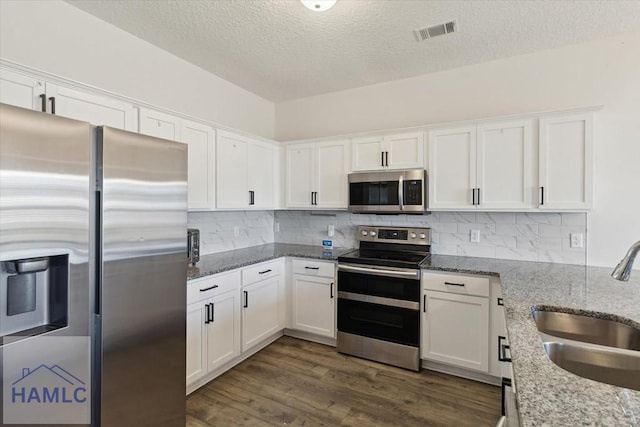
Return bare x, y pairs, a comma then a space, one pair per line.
460, 372
230, 364
307, 336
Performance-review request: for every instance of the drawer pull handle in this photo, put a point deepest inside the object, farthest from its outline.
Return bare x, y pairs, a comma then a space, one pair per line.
264, 272
312, 268
454, 284
209, 288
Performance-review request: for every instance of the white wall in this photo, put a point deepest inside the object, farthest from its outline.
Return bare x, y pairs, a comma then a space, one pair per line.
56, 37
604, 72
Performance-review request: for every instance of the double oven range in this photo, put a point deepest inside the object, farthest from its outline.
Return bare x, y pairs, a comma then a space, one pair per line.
379, 295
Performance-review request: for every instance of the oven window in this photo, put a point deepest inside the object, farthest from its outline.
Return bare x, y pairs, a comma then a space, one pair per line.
379, 286
398, 325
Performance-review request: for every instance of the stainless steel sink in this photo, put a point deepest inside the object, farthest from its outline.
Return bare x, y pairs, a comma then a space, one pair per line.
609, 366
587, 329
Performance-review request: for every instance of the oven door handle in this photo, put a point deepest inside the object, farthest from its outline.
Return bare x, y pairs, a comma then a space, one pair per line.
390, 302
380, 271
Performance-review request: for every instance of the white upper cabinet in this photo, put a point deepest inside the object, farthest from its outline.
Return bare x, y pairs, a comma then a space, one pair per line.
245, 172
452, 168
489, 167
21, 91
29, 92
566, 162
201, 164
505, 165
160, 125
395, 151
88, 107
299, 164
316, 175
200, 140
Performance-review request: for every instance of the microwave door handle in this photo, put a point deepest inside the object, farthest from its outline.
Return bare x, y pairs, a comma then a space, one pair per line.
400, 192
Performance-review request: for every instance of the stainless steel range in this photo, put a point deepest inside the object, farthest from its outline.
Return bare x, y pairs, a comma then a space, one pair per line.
379, 295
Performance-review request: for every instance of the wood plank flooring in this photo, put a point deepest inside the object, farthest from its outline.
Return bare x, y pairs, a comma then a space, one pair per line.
300, 383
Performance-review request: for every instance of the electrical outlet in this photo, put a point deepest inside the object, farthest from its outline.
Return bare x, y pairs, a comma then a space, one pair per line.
474, 236
577, 240
236, 231
331, 230
276, 227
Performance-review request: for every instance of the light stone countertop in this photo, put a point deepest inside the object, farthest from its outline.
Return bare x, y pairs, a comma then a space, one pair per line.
546, 394
230, 260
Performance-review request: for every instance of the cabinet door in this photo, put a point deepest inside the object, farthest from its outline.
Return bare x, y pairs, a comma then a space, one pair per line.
231, 171
95, 109
452, 168
331, 174
313, 305
299, 163
368, 153
262, 174
566, 162
20, 90
505, 171
260, 311
405, 150
201, 142
160, 125
196, 342
456, 330
223, 331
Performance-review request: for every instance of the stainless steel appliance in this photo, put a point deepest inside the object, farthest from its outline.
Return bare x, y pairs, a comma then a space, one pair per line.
98, 216
193, 245
379, 295
388, 192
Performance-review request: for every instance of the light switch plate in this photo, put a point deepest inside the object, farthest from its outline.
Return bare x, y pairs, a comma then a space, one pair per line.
474, 236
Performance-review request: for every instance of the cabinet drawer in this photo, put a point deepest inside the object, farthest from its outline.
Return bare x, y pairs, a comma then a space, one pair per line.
207, 287
314, 268
466, 285
261, 271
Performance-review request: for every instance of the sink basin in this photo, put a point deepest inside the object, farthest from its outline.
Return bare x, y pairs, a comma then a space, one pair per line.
587, 329
618, 368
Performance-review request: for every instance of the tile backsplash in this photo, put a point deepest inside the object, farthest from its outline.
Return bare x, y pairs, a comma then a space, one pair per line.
217, 232
508, 235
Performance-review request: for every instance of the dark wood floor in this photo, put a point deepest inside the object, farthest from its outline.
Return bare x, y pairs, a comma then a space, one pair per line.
295, 382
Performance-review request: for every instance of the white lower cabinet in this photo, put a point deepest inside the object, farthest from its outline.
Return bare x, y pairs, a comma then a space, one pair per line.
455, 321
262, 302
314, 298
213, 323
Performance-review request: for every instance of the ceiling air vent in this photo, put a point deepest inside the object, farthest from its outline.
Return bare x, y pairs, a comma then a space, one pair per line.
436, 30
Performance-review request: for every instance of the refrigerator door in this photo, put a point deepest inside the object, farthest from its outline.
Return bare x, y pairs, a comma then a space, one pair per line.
45, 164
142, 299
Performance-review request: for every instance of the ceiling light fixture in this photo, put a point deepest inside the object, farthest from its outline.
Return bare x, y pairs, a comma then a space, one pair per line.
318, 5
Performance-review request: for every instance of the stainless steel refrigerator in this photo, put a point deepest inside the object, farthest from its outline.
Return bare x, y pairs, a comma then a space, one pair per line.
93, 224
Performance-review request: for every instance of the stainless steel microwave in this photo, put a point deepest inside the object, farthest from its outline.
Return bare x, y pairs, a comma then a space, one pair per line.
388, 192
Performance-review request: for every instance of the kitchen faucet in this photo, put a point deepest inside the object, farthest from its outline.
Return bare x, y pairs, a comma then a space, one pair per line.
623, 269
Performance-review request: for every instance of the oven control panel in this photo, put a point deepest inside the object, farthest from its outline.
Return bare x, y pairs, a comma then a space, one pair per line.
413, 236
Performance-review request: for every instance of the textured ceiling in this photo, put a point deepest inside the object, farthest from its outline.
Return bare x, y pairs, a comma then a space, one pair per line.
280, 50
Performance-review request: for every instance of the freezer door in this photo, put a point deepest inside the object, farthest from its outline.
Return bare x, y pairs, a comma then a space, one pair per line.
142, 305
45, 164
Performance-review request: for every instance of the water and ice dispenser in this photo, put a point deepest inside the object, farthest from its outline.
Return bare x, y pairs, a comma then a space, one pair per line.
34, 296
